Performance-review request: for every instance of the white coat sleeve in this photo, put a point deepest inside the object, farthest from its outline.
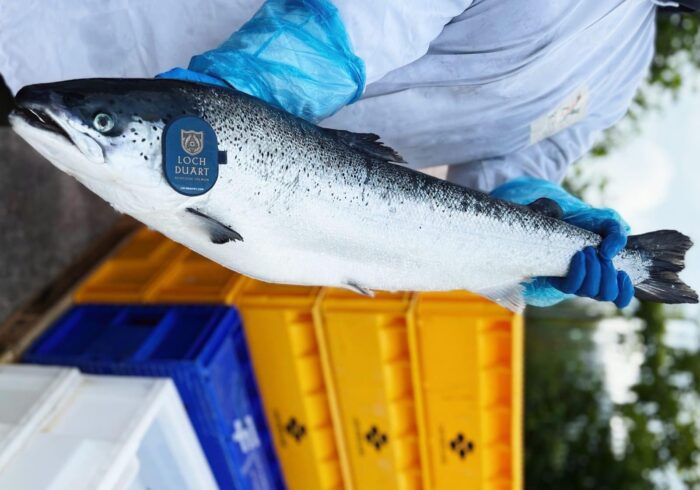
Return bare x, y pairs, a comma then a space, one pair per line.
46, 41
388, 34
549, 159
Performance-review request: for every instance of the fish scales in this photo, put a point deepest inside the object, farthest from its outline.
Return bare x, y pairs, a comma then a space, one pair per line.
299, 204
314, 175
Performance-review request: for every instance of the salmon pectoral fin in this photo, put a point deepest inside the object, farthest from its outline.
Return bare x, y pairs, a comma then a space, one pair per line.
218, 232
507, 295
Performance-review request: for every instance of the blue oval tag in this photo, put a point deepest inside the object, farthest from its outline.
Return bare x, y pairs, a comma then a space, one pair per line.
190, 155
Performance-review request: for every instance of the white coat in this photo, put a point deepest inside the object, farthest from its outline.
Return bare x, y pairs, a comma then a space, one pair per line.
495, 88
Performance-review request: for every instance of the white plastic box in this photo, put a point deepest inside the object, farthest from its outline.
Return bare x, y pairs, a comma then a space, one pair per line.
60, 429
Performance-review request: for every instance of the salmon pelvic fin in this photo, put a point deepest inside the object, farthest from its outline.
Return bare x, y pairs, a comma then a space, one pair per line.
509, 296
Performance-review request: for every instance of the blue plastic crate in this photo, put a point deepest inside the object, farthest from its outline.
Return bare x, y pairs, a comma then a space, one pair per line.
203, 349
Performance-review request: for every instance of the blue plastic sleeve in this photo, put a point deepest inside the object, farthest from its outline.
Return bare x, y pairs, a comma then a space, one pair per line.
294, 54
539, 292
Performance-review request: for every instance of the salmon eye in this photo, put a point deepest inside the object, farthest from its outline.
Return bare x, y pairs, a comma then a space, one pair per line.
103, 122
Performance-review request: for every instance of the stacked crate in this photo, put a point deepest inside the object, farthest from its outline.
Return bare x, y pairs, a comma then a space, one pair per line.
63, 430
201, 348
399, 391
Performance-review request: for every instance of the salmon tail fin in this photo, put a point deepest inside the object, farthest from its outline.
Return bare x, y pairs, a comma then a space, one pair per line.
665, 250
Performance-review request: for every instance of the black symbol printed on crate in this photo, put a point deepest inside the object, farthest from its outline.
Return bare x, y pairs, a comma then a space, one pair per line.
295, 429
375, 438
461, 446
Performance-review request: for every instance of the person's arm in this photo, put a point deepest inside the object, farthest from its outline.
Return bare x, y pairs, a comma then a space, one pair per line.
312, 57
548, 159
390, 34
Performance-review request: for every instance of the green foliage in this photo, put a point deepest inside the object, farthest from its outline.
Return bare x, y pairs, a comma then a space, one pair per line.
568, 436
567, 429
662, 425
675, 34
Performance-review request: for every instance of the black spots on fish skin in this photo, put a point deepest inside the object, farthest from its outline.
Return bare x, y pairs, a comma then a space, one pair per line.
476, 206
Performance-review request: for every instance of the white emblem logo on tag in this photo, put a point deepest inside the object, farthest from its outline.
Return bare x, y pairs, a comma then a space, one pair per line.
192, 141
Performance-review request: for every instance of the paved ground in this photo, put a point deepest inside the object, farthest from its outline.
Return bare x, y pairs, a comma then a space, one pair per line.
46, 220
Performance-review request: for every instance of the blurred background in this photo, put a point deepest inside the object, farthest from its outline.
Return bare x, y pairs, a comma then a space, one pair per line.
611, 398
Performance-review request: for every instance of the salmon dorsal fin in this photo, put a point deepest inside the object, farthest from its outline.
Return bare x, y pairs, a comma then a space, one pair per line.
367, 143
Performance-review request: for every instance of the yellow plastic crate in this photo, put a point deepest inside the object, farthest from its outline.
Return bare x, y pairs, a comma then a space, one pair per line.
364, 346
280, 333
467, 362
453, 406
129, 275
195, 279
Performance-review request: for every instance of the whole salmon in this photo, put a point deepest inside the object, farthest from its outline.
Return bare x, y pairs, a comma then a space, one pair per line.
299, 204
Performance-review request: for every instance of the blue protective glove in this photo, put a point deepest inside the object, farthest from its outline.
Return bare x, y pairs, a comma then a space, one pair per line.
591, 272
294, 54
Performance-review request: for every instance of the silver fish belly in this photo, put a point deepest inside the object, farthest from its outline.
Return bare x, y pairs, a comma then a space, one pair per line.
299, 204
314, 211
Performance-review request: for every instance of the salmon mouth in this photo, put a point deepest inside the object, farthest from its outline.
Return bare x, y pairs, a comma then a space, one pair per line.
40, 119
44, 129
